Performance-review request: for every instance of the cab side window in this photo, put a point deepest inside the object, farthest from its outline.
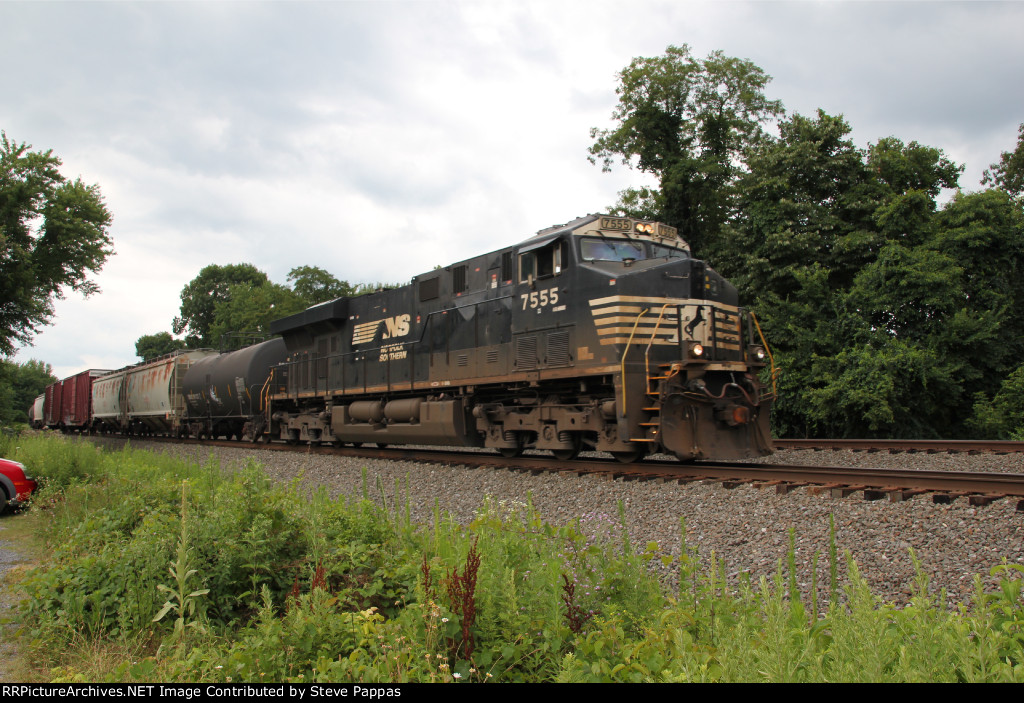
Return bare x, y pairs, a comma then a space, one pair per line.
542, 262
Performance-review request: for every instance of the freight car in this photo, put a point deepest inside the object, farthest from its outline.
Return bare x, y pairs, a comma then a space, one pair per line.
225, 395
35, 412
67, 404
602, 334
145, 398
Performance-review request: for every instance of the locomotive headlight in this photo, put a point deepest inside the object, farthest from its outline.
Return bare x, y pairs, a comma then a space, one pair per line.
644, 228
697, 350
758, 353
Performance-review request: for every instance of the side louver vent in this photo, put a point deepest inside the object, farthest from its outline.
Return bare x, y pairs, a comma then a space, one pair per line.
526, 353
558, 349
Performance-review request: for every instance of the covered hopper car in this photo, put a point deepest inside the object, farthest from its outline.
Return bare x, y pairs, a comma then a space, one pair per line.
145, 398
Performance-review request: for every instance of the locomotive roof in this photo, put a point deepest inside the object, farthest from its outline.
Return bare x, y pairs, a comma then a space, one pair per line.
334, 311
331, 311
568, 226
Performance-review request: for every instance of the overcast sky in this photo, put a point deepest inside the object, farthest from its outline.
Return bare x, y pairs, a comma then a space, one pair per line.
378, 139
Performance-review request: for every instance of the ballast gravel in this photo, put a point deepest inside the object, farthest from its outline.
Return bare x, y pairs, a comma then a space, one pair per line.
745, 528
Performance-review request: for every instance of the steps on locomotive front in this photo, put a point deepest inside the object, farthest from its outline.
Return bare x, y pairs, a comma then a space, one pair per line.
655, 412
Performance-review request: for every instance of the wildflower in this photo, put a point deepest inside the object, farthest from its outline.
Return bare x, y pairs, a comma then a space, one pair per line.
444, 619
456, 675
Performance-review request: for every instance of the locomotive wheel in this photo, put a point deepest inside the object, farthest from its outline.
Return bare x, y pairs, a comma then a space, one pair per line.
628, 457
569, 454
511, 452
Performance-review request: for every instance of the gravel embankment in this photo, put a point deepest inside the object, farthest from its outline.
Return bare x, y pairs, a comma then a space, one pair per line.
746, 527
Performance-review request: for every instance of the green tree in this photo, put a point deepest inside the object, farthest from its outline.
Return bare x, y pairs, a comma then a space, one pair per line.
151, 346
204, 293
53, 236
19, 386
245, 314
1008, 174
863, 284
904, 168
1002, 417
805, 204
690, 123
313, 285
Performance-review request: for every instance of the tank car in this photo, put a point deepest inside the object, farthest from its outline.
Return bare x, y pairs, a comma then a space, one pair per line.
145, 398
225, 395
602, 333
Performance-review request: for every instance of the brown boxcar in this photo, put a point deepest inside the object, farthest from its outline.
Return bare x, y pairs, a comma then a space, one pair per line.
52, 405
76, 400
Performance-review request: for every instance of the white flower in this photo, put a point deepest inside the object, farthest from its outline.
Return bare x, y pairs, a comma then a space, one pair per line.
457, 675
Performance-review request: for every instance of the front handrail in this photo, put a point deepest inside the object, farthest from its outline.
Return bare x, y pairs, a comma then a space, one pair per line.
625, 351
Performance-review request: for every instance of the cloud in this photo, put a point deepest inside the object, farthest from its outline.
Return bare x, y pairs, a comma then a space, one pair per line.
379, 139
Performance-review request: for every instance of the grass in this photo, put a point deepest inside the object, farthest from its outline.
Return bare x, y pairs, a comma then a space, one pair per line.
153, 569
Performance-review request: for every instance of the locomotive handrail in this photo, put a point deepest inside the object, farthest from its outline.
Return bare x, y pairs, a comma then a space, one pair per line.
625, 351
768, 350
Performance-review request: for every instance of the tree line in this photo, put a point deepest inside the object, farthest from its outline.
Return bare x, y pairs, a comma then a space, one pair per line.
228, 307
891, 312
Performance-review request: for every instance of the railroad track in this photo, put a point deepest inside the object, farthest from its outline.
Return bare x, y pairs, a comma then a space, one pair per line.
928, 446
978, 488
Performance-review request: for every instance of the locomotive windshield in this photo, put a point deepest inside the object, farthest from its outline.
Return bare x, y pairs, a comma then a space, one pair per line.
605, 249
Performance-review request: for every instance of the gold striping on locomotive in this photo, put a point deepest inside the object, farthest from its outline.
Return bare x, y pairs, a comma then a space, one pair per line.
365, 332
616, 317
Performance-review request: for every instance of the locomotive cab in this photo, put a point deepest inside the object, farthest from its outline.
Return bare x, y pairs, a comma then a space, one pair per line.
686, 356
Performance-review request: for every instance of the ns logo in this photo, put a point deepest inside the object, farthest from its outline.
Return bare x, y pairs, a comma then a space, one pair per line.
397, 326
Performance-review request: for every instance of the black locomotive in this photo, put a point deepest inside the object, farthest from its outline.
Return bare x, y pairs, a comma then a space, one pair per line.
602, 333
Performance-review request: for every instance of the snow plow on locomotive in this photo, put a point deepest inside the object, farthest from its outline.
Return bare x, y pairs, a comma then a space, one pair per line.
600, 334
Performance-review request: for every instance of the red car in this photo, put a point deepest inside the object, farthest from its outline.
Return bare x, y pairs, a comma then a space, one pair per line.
15, 484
